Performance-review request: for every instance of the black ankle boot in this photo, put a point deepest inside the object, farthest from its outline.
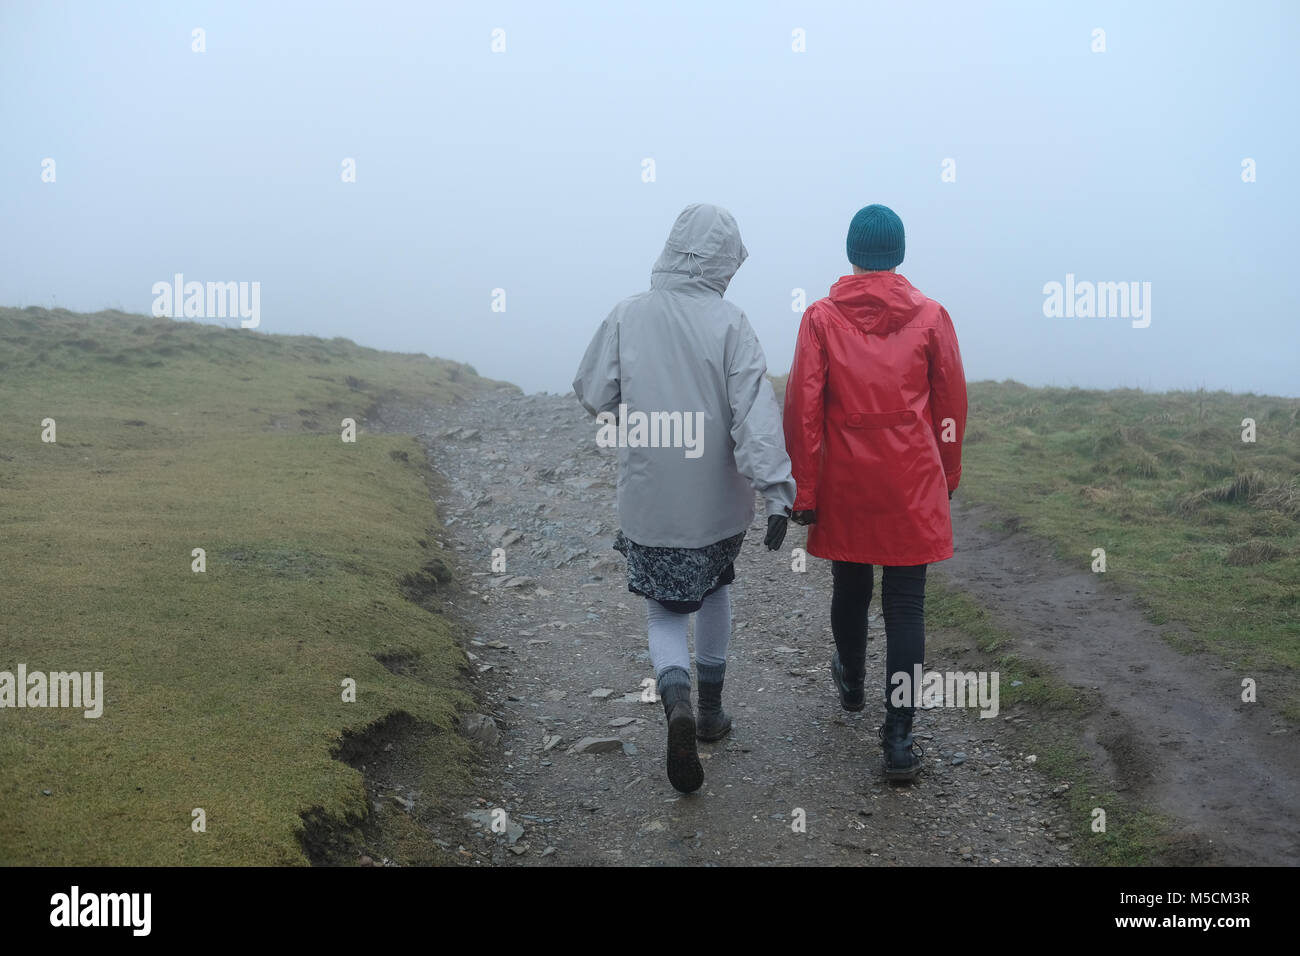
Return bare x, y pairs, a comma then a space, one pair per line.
852, 693
685, 772
714, 723
902, 754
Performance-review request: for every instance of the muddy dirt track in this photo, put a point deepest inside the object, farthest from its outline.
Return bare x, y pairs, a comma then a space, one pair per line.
557, 645
1174, 730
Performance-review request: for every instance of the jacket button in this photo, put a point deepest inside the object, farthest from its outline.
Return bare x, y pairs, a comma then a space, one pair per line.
855, 420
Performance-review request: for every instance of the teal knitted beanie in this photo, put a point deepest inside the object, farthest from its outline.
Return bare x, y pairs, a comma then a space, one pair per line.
875, 238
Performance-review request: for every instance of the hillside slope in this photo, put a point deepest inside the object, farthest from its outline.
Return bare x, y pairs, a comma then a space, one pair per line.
223, 688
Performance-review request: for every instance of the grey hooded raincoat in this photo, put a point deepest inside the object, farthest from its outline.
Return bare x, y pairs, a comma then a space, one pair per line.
682, 348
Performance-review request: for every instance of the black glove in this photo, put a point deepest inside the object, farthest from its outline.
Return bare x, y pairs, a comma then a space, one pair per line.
776, 525
950, 496
804, 517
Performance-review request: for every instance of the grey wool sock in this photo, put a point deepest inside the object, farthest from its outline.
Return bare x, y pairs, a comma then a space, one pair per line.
710, 673
673, 677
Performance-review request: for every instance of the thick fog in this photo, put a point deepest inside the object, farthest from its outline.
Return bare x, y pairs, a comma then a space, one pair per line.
485, 181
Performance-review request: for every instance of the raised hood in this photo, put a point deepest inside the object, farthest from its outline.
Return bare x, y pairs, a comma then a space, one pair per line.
703, 249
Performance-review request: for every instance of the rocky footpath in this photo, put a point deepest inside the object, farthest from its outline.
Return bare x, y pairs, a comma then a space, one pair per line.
573, 740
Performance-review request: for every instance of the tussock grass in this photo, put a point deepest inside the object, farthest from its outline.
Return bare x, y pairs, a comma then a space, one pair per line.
1203, 528
1253, 552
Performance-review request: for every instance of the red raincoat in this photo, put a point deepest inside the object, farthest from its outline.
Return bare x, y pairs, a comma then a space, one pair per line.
875, 411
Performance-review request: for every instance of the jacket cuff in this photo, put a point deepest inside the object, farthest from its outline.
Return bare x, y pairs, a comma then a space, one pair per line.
775, 506
954, 479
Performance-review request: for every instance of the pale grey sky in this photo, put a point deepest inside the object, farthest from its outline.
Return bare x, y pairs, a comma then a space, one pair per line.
522, 169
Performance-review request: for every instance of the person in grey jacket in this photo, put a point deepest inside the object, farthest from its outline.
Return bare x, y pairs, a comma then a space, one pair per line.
678, 382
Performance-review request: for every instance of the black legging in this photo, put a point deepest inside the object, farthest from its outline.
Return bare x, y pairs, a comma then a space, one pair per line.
902, 599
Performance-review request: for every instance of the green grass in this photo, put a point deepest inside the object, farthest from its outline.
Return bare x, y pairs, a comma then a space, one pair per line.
222, 688
1202, 528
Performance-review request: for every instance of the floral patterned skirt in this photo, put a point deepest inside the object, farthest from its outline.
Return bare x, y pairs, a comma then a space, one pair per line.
679, 578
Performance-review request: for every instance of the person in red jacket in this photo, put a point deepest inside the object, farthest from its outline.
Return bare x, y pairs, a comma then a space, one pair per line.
875, 411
